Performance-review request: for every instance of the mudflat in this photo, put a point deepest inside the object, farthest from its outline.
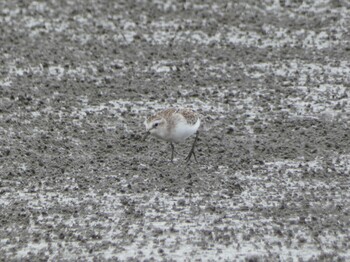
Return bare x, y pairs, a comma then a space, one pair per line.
271, 80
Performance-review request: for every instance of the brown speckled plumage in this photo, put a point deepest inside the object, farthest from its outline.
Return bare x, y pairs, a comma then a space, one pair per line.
190, 116
170, 115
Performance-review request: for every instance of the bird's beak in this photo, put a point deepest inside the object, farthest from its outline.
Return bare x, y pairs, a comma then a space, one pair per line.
145, 135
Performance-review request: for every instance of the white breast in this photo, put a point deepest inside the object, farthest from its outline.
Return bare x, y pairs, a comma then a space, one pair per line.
183, 130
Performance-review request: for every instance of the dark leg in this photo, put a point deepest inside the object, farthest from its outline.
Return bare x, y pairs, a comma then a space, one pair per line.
172, 151
188, 158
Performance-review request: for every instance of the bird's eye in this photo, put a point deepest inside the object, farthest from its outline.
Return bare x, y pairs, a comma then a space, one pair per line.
156, 124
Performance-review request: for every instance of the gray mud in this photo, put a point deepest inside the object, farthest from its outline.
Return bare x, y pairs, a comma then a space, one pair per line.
271, 80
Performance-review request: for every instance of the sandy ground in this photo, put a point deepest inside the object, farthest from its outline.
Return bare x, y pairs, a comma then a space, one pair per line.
272, 82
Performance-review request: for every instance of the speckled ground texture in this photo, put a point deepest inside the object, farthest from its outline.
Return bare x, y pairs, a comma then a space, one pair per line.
271, 80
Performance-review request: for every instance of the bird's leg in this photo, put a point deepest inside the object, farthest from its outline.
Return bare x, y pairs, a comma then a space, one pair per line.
172, 151
192, 150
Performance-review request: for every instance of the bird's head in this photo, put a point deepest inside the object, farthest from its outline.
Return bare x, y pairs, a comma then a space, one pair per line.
155, 126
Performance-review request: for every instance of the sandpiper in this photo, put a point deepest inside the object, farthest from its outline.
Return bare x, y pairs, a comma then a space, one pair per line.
174, 126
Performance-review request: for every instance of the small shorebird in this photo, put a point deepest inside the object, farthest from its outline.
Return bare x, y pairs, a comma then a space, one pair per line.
174, 126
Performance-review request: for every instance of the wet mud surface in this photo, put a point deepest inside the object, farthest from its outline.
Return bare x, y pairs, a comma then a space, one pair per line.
271, 80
